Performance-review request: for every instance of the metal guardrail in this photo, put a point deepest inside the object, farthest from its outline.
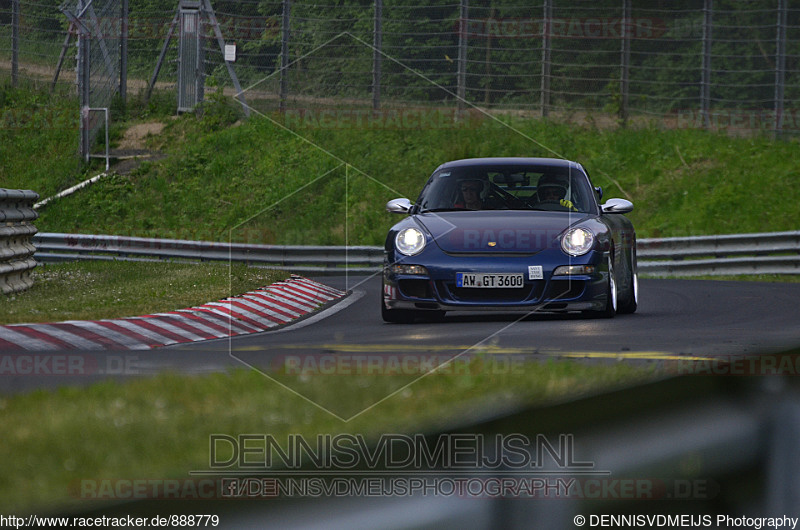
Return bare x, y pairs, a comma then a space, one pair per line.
320, 259
16, 230
766, 253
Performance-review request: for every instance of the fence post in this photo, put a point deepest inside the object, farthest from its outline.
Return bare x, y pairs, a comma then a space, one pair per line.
461, 89
14, 42
780, 65
284, 89
62, 56
212, 18
84, 70
545, 96
377, 41
123, 54
705, 83
487, 88
625, 61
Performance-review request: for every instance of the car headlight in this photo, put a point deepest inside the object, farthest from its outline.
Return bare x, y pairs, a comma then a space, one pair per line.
409, 241
577, 241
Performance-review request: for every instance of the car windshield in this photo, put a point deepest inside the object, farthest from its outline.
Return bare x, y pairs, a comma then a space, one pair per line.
508, 187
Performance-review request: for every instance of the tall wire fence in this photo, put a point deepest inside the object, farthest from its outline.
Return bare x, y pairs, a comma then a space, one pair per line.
690, 63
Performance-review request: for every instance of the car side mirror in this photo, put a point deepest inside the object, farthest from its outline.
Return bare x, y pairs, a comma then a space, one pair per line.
398, 206
617, 206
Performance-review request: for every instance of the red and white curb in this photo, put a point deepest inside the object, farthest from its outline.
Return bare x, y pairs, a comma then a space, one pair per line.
251, 312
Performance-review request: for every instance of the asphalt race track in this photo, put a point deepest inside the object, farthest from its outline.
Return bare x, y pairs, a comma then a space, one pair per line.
676, 318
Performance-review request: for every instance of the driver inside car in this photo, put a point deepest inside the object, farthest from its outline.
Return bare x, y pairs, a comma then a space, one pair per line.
470, 195
552, 189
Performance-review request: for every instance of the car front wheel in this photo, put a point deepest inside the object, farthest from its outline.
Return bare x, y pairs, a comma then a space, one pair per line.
630, 301
611, 295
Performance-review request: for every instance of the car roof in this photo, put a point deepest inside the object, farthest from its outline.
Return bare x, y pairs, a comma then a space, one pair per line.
511, 161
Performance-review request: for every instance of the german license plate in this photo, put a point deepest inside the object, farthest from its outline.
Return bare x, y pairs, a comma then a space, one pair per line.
489, 281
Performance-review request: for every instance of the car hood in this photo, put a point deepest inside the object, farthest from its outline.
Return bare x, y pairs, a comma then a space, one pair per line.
488, 232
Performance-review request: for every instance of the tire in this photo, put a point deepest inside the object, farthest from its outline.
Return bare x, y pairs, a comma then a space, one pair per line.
611, 295
630, 302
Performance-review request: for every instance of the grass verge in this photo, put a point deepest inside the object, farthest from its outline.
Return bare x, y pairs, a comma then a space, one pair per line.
159, 427
275, 179
95, 290
319, 186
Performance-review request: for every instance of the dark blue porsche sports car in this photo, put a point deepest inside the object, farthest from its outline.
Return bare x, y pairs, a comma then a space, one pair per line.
509, 234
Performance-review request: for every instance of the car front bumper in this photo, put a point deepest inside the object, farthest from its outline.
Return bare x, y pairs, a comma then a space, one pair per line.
436, 289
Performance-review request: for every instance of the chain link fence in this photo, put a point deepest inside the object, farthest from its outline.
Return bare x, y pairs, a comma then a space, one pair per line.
719, 64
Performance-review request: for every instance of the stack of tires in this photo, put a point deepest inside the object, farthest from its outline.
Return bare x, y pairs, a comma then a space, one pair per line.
16, 248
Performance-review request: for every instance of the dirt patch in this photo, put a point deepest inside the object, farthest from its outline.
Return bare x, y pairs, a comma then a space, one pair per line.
132, 148
136, 135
